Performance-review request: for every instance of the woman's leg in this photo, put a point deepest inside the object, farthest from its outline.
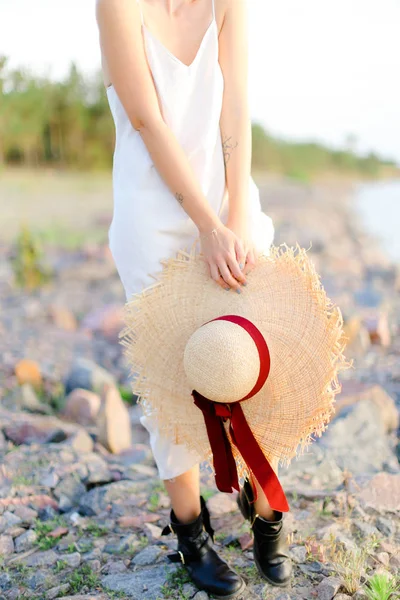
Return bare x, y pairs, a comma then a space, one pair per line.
184, 492
262, 506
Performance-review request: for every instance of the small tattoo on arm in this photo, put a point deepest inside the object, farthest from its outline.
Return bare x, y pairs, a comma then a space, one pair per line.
179, 197
228, 147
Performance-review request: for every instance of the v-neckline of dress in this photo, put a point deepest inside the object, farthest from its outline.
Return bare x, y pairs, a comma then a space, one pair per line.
171, 54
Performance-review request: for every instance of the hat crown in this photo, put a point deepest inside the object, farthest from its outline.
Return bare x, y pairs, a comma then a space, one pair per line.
221, 361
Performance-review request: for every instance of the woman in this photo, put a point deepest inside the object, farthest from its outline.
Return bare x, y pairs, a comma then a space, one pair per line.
176, 79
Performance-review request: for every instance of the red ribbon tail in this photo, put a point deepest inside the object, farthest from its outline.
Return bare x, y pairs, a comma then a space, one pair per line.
244, 440
224, 463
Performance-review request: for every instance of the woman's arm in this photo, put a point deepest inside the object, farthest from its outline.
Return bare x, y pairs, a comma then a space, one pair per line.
122, 44
235, 122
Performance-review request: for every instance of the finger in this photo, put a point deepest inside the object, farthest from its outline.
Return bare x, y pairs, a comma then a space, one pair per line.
250, 261
240, 255
227, 275
235, 269
215, 274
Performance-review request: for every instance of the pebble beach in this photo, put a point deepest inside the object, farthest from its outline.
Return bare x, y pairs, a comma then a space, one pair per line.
81, 507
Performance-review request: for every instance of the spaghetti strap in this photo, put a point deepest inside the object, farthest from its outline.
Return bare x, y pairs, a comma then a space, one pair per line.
141, 12
213, 8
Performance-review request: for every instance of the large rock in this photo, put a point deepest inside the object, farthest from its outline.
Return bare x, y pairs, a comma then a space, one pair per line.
98, 499
381, 493
114, 421
354, 392
144, 583
358, 441
88, 375
82, 406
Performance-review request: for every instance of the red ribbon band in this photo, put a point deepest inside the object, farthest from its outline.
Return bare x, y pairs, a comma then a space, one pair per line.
216, 413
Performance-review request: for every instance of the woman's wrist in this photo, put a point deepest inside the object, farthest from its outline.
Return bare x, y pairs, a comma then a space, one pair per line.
208, 224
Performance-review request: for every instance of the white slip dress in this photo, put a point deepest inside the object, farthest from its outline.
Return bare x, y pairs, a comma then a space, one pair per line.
148, 223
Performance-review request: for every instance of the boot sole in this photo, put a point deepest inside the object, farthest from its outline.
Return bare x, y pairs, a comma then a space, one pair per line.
231, 596
246, 515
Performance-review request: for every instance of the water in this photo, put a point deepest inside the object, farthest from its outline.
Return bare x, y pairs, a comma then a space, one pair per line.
379, 206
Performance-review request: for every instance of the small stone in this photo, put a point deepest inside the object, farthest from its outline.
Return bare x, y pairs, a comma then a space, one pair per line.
221, 504
82, 406
246, 541
201, 596
359, 595
88, 375
73, 560
25, 541
95, 565
62, 317
11, 519
30, 401
6, 545
343, 597
365, 530
36, 579
28, 371
122, 545
154, 531
113, 421
386, 526
298, 554
5, 582
328, 587
49, 480
147, 556
311, 567
47, 558
188, 590
377, 325
72, 488
15, 531
383, 558
138, 520
58, 591
80, 441
26, 514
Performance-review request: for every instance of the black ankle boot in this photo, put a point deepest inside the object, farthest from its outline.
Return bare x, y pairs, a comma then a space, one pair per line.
207, 570
270, 551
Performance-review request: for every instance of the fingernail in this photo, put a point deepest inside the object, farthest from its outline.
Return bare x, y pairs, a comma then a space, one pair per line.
241, 266
228, 289
244, 284
238, 291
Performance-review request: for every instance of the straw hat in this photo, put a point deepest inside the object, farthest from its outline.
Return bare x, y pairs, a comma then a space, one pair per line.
242, 380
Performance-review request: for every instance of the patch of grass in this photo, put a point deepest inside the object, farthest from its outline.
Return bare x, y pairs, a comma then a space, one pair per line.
42, 528
127, 394
71, 548
60, 566
382, 587
350, 565
82, 576
175, 582
84, 547
154, 502
112, 595
96, 530
26, 261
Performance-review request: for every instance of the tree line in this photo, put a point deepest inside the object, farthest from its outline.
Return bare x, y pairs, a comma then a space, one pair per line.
68, 124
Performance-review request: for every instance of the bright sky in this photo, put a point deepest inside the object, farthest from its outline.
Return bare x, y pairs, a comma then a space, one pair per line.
319, 69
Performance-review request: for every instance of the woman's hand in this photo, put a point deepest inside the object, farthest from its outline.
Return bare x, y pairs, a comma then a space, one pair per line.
223, 252
246, 253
